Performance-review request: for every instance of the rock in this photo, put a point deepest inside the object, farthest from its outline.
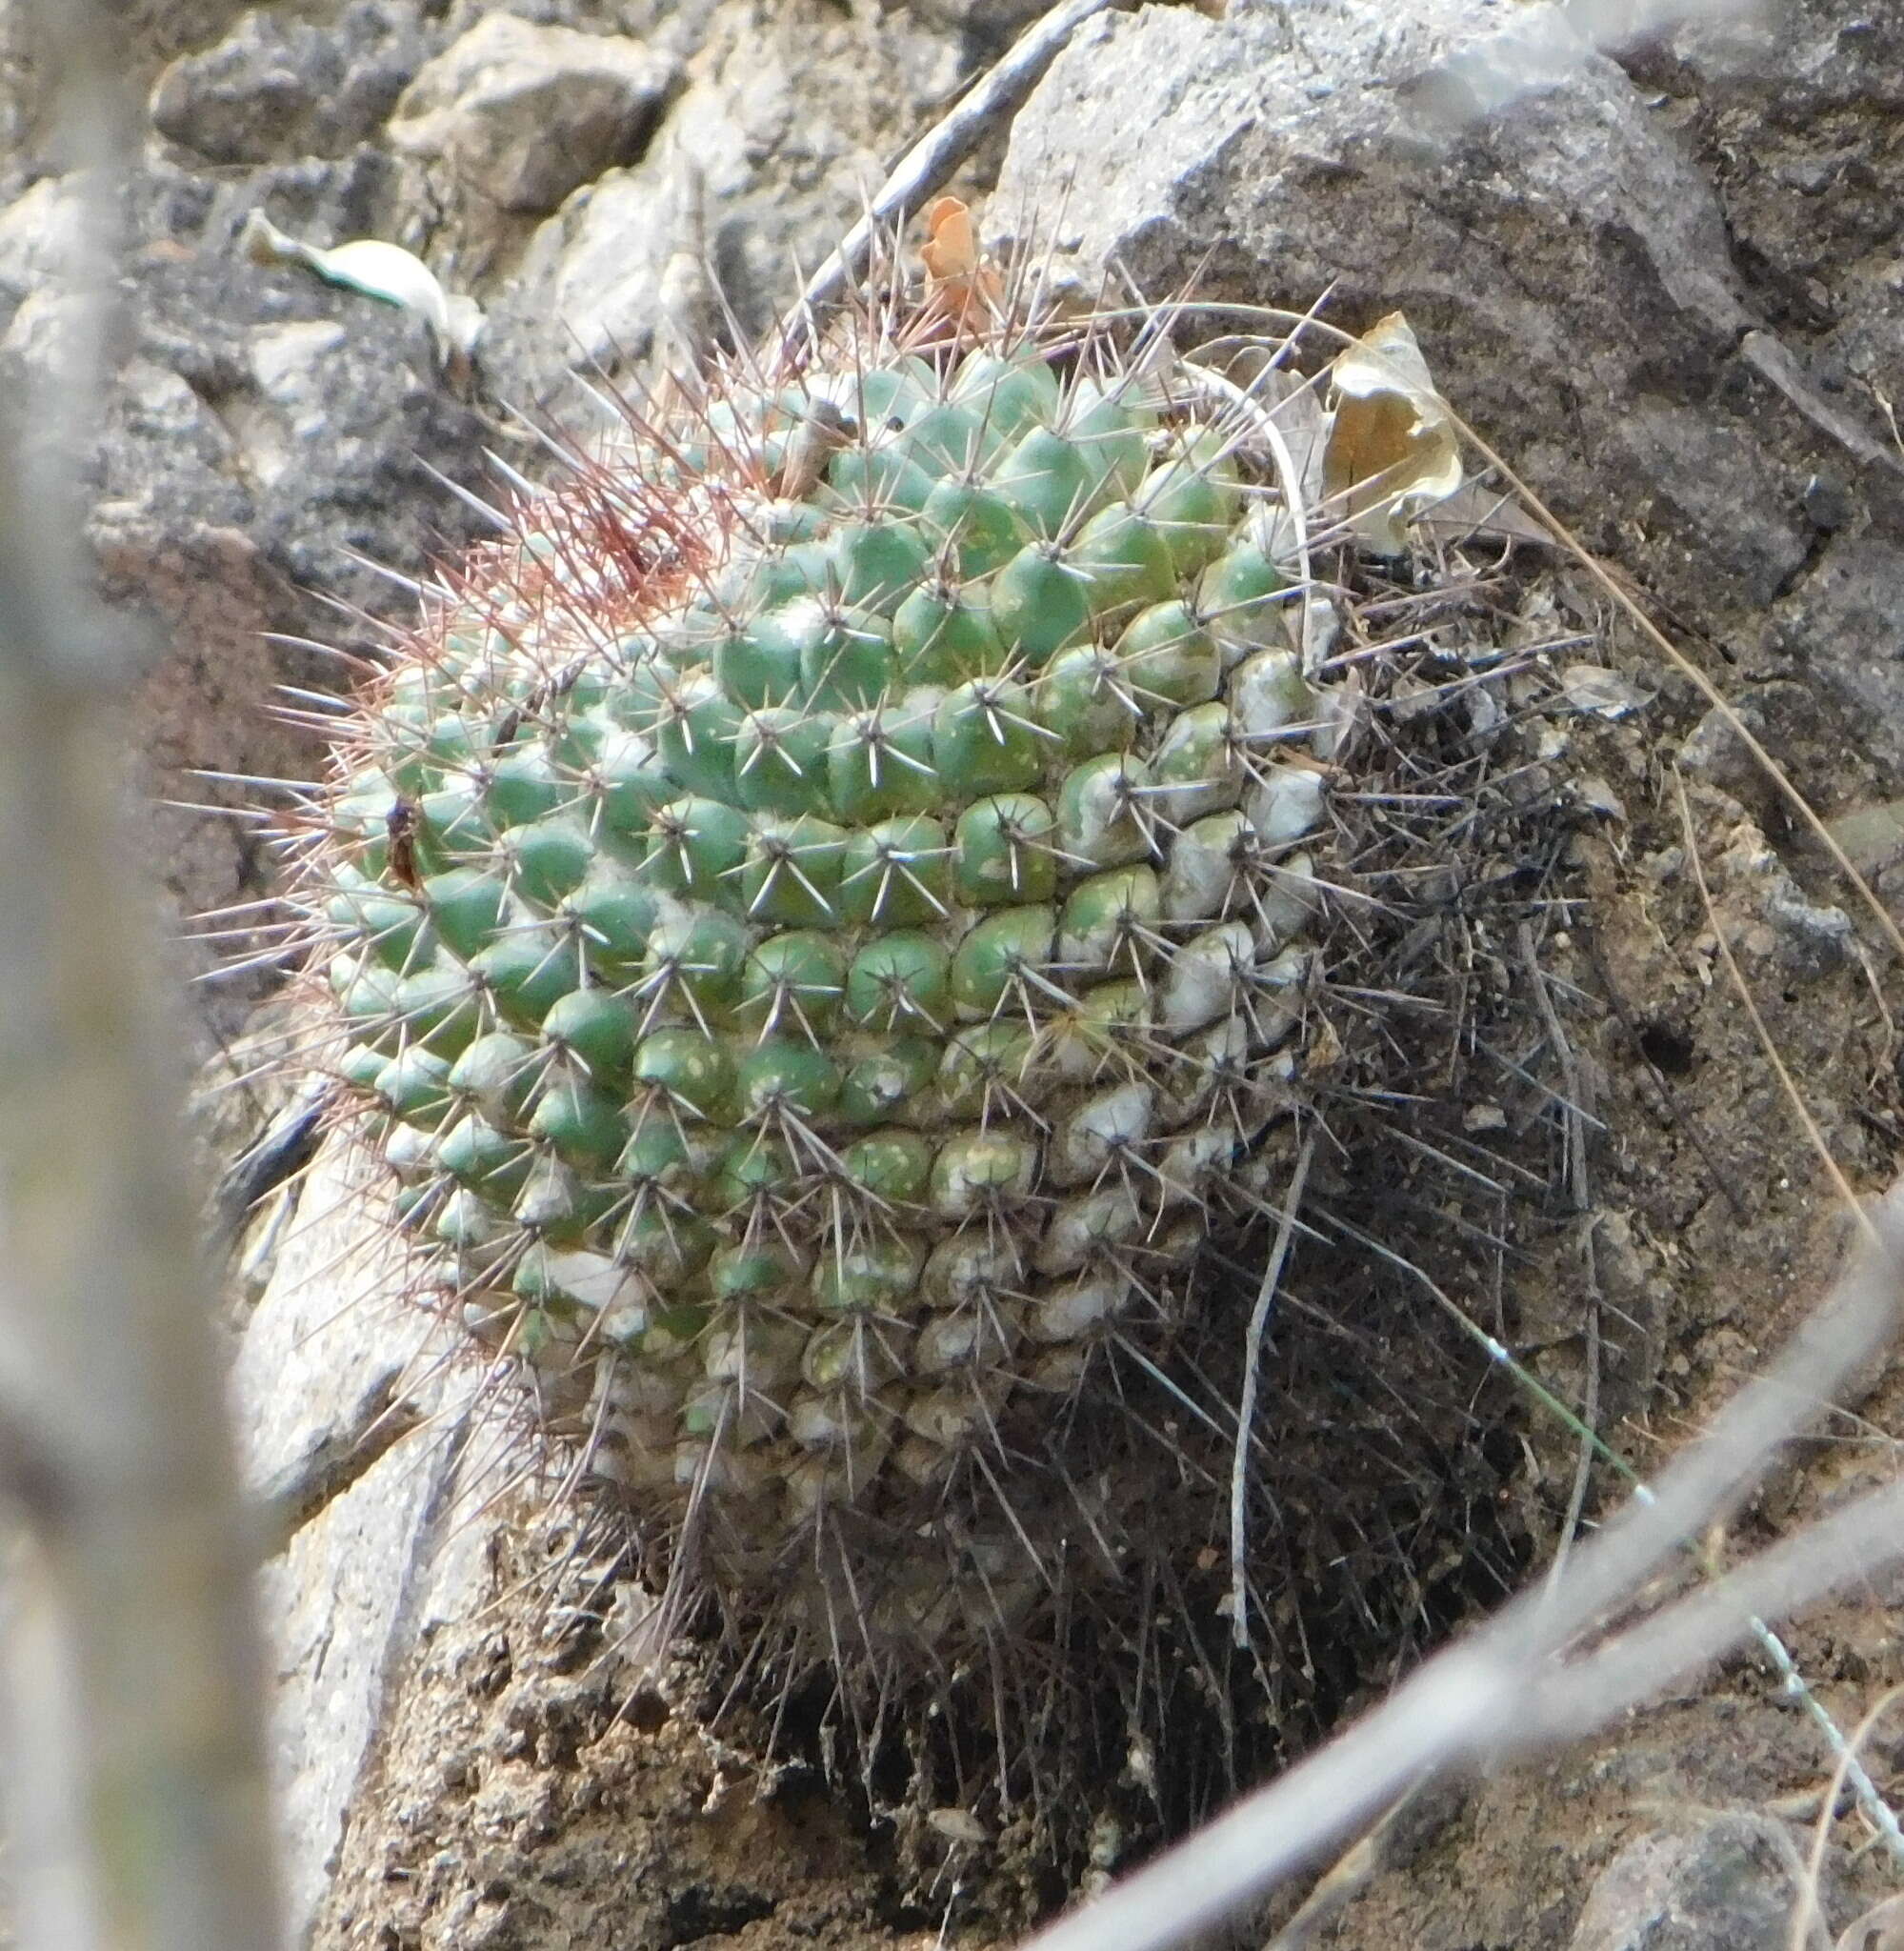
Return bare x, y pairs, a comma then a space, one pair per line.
41, 232
1842, 625
787, 123
524, 115
1567, 262
599, 266
1727, 1886
1810, 938
1780, 716
999, 21
1764, 914
361, 1585
276, 87
264, 428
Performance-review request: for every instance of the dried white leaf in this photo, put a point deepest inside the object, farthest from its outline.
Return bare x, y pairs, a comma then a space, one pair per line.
1604, 693
385, 272
1392, 450
958, 1826
1477, 510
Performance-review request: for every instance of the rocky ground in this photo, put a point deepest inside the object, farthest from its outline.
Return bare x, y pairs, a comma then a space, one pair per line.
1662, 279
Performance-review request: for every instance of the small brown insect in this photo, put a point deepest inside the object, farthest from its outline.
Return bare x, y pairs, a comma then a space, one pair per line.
821, 433
400, 824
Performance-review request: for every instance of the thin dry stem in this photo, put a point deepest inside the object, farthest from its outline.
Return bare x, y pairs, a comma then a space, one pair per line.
1787, 1083
1808, 1913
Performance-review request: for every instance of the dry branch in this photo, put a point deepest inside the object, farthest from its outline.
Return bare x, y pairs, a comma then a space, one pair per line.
928, 166
1505, 1691
136, 1583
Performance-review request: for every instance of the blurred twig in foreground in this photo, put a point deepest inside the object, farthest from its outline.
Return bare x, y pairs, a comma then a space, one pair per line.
1519, 1683
134, 1770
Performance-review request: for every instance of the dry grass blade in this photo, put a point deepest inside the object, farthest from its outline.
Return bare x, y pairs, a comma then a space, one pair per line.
1809, 1912
138, 1790
1733, 973
1246, 1411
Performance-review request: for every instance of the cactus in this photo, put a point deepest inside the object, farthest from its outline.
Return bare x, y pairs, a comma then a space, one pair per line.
827, 903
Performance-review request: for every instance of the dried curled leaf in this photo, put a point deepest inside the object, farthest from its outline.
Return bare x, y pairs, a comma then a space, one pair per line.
955, 266
1392, 450
951, 250
385, 272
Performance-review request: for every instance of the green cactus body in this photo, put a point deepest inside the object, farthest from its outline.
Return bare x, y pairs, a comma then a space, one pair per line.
816, 1014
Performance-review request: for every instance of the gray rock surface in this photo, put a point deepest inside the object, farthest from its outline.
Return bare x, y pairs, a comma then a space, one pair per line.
275, 88
1672, 332
264, 433
785, 122
390, 1556
1729, 1885
271, 442
522, 114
